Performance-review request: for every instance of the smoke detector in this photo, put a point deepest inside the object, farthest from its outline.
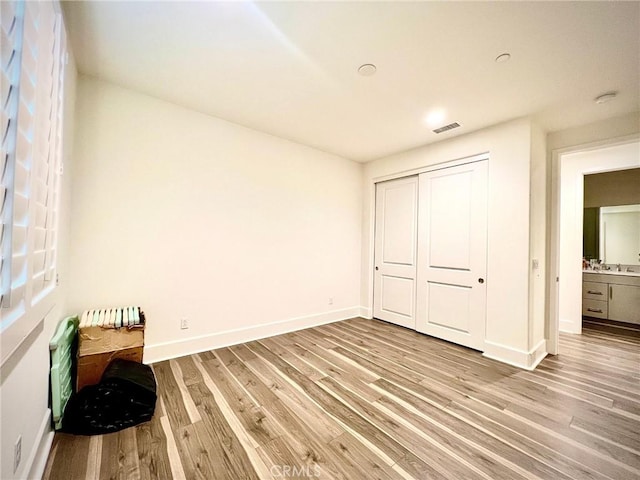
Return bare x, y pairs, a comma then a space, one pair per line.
367, 69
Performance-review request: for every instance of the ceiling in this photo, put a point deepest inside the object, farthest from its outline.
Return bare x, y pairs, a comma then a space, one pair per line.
290, 69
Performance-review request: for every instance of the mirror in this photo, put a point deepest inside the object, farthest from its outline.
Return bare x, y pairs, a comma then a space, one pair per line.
612, 234
619, 234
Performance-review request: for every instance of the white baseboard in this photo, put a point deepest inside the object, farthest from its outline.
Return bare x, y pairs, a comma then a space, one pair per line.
365, 312
179, 348
567, 326
538, 353
518, 358
37, 460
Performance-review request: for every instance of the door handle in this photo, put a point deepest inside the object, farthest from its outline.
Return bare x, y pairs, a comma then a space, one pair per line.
610, 292
481, 280
376, 268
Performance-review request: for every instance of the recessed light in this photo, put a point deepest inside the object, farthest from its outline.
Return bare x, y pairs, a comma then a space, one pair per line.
503, 57
367, 69
435, 117
606, 97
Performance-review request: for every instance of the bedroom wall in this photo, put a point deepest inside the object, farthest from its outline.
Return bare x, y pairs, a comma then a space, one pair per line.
189, 216
509, 212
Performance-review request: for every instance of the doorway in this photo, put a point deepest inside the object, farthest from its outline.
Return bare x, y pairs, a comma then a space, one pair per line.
569, 168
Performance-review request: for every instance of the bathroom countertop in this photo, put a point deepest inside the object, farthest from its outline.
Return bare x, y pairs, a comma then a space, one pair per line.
613, 272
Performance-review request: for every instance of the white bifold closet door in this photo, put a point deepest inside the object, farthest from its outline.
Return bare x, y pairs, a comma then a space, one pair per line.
452, 254
396, 233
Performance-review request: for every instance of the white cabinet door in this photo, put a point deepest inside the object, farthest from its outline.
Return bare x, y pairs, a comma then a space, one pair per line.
452, 254
624, 303
395, 251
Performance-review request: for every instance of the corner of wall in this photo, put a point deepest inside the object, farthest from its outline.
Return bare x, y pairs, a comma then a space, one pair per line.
526, 359
537, 236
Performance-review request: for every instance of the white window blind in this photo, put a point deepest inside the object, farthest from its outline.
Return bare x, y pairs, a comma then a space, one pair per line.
46, 173
11, 22
33, 53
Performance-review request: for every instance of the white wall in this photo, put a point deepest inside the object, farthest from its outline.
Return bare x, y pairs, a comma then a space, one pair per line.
190, 216
601, 131
508, 264
538, 239
573, 167
24, 377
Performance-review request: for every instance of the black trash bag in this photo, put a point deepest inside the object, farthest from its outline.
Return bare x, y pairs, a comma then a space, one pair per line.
125, 396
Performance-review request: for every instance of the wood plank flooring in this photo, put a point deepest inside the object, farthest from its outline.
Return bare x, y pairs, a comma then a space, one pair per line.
363, 399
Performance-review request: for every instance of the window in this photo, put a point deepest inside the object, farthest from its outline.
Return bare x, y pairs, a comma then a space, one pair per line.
31, 95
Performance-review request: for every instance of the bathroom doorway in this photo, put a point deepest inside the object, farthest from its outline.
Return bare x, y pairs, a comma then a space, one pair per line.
569, 169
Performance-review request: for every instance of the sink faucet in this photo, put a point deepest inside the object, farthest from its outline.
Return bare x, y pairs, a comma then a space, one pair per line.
618, 268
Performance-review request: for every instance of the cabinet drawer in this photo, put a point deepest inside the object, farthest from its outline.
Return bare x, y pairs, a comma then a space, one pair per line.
594, 308
594, 290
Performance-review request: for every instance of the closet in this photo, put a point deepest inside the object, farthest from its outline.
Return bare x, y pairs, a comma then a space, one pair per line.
431, 252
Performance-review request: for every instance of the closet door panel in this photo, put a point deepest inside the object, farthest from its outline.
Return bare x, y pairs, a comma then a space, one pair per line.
452, 255
449, 233
395, 251
449, 306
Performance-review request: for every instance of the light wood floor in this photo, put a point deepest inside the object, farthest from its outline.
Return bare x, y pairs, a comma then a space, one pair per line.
363, 399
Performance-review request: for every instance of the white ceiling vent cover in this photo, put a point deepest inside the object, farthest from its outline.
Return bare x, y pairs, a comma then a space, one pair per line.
446, 128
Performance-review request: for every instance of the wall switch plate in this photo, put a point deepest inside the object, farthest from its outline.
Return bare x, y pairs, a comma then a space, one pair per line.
17, 454
184, 323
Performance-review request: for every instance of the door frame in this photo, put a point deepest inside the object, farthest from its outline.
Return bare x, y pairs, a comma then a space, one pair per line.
370, 261
555, 225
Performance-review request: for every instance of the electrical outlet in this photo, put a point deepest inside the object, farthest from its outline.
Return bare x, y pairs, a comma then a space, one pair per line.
330, 300
184, 323
17, 454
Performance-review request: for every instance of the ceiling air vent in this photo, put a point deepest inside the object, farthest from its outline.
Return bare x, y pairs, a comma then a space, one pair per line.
446, 128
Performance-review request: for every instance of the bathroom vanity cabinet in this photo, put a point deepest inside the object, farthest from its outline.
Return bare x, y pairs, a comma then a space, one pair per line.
611, 295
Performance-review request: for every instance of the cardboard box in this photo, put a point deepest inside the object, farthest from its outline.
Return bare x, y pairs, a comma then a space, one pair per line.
93, 340
91, 367
98, 346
